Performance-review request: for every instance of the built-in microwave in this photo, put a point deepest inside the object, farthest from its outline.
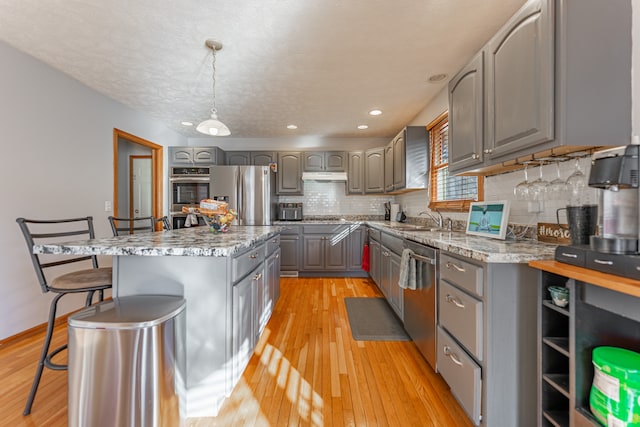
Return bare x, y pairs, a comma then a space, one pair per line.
189, 185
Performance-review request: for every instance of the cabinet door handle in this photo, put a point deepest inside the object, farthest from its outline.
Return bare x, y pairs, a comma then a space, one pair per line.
450, 265
488, 151
455, 301
565, 254
474, 156
385, 253
451, 355
257, 276
277, 256
603, 262
253, 256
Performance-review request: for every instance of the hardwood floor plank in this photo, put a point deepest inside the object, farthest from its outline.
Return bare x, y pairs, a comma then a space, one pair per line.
307, 370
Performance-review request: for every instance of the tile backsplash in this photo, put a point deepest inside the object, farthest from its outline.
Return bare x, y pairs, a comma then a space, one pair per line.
330, 198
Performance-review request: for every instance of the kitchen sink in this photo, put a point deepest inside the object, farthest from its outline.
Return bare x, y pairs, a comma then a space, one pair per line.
416, 228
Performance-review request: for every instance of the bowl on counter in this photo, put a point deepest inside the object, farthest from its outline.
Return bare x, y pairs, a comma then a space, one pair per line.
559, 295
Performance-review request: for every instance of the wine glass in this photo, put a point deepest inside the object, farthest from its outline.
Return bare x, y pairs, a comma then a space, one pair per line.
521, 191
577, 185
557, 188
538, 188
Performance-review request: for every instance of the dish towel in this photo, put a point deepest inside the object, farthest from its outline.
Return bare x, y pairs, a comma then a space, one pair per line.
407, 270
365, 257
191, 219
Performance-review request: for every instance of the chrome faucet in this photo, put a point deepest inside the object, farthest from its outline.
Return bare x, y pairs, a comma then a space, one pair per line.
438, 219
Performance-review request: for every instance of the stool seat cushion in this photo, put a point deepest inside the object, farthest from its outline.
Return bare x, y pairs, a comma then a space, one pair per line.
89, 278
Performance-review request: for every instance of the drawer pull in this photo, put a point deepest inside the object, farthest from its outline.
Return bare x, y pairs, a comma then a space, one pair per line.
277, 256
599, 261
385, 253
451, 355
450, 265
253, 256
454, 301
569, 255
257, 276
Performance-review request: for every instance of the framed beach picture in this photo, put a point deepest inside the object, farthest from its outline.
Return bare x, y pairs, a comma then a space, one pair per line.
488, 219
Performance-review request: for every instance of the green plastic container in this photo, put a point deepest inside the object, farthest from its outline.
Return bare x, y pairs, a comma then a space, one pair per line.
615, 392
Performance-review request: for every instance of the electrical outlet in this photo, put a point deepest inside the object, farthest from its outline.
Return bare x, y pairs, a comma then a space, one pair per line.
107, 206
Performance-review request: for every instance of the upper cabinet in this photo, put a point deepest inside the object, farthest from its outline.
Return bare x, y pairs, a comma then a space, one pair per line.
355, 176
466, 124
520, 95
289, 173
406, 162
556, 79
253, 158
195, 155
325, 161
373, 168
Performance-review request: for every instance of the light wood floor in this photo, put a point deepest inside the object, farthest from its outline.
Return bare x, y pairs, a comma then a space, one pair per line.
307, 370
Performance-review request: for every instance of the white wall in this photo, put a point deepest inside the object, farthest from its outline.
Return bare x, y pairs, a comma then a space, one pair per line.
57, 140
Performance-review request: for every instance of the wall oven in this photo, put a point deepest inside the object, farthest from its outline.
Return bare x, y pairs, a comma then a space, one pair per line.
189, 185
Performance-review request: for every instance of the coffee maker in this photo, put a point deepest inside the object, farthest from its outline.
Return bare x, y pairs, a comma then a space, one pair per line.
614, 248
616, 175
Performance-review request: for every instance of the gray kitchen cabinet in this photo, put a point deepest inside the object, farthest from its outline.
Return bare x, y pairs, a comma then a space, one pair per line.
324, 247
375, 254
466, 121
325, 161
543, 85
289, 173
238, 158
520, 93
272, 287
486, 338
196, 155
391, 252
374, 171
355, 174
290, 247
356, 243
399, 161
388, 167
254, 158
263, 158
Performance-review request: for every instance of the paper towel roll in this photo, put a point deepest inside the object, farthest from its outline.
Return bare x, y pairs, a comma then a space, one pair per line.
395, 208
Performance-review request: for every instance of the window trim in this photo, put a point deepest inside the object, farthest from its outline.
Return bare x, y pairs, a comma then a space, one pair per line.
460, 205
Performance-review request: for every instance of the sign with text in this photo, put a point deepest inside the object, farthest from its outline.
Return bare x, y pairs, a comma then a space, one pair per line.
553, 233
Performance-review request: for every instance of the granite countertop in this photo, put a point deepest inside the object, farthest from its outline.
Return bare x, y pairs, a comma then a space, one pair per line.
196, 241
475, 247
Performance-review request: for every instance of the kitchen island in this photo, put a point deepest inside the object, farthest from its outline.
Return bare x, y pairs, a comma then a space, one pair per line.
229, 281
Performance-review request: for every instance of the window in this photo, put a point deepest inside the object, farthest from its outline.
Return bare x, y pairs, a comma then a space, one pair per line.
449, 192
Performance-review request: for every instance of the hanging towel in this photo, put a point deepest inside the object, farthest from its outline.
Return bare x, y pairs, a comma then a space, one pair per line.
407, 270
191, 219
365, 257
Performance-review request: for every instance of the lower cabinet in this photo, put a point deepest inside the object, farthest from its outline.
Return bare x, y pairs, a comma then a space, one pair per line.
375, 253
390, 256
290, 247
487, 340
325, 251
246, 296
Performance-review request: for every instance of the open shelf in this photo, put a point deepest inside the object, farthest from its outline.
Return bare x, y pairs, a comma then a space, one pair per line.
560, 344
557, 418
558, 381
549, 304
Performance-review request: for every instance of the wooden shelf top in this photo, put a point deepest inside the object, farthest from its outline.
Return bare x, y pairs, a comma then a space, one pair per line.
615, 283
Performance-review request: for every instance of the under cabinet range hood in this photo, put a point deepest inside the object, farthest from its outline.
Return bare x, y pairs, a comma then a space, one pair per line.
324, 176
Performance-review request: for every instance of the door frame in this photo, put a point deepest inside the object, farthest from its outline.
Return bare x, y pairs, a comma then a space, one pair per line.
157, 153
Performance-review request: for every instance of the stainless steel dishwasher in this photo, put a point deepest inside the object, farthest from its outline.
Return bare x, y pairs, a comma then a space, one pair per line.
420, 305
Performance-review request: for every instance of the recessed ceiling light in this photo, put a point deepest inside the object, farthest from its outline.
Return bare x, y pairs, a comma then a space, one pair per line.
292, 127
375, 112
437, 78
186, 123
363, 127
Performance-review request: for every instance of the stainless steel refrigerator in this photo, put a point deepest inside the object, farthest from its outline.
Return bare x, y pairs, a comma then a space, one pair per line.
249, 190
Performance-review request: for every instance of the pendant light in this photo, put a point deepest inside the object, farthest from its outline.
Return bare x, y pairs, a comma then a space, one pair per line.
213, 126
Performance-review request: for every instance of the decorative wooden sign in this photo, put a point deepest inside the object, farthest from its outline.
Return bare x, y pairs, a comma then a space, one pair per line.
553, 233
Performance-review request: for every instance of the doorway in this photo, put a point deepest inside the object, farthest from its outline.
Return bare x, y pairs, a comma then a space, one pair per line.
132, 156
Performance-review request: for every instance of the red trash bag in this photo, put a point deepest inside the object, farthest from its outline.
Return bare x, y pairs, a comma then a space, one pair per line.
365, 257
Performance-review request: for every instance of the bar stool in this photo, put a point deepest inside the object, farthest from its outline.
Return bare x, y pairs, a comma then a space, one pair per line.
87, 280
123, 226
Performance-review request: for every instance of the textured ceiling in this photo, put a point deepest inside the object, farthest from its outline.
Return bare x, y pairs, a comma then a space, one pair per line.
321, 64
